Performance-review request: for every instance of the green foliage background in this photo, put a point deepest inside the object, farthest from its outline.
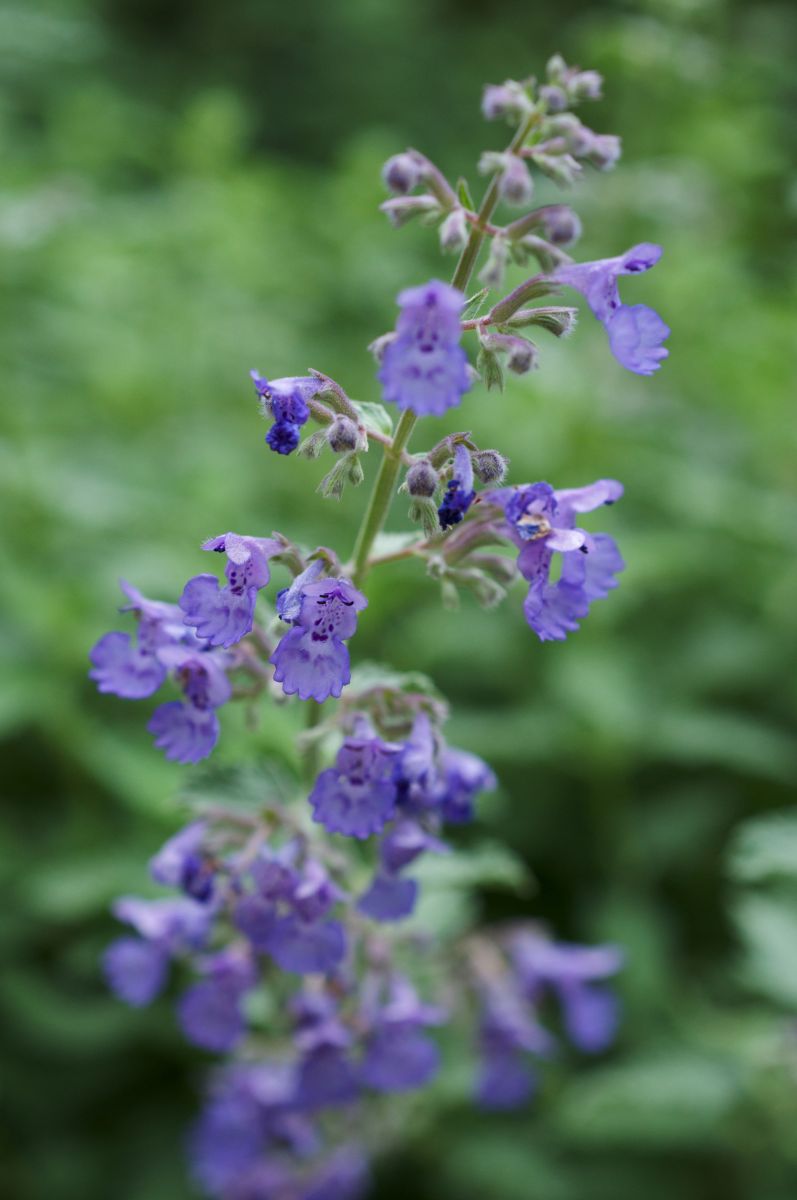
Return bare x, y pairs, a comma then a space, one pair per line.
190, 189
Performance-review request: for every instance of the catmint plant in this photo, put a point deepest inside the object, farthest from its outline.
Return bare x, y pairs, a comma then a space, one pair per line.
292, 926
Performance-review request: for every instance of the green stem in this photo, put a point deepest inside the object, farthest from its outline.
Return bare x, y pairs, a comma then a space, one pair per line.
385, 484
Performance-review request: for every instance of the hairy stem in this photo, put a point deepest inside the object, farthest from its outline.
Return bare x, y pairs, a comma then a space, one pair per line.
385, 485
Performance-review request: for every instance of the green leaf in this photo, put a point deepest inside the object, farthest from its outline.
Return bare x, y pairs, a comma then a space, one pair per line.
487, 865
768, 926
463, 191
764, 847
374, 416
672, 1100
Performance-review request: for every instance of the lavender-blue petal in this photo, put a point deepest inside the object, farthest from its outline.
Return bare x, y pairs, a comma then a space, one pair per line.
210, 1015
221, 616
311, 668
591, 1016
357, 808
389, 898
185, 734
325, 1077
399, 1058
119, 667
135, 970
505, 1080
306, 949
636, 334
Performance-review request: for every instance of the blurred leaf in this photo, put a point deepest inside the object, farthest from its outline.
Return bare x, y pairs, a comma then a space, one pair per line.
764, 847
374, 416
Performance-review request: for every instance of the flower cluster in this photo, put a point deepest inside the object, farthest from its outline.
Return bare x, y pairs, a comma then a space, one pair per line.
298, 917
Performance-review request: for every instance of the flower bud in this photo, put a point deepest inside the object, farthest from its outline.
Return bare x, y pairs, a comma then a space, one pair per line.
492, 273
489, 466
342, 435
561, 168
422, 479
508, 100
562, 226
556, 68
585, 85
515, 183
454, 232
355, 473
554, 98
401, 174
604, 151
403, 208
521, 355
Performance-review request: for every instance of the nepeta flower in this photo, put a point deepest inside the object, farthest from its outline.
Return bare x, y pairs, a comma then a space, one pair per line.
188, 731
508, 1033
573, 973
636, 332
210, 1011
134, 672
286, 402
136, 968
285, 916
311, 660
424, 368
541, 521
181, 863
222, 616
357, 796
460, 493
399, 1056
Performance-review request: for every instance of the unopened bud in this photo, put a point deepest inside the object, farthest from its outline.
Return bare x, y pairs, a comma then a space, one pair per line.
509, 100
422, 479
403, 208
585, 85
559, 321
515, 183
562, 226
312, 446
548, 256
355, 473
556, 68
604, 151
342, 435
454, 232
493, 271
561, 168
489, 466
401, 174
554, 98
500, 567
521, 355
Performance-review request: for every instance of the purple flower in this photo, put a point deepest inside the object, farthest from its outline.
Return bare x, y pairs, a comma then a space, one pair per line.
135, 970
134, 672
175, 925
180, 863
185, 734
389, 898
399, 1056
224, 615
635, 332
404, 842
311, 660
424, 368
210, 1011
306, 948
590, 1012
465, 775
357, 796
460, 493
541, 521
343, 1177
286, 402
508, 1033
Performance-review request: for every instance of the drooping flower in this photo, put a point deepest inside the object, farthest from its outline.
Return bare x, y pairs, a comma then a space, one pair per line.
188, 730
224, 615
181, 863
134, 672
575, 974
136, 967
398, 1055
508, 1034
424, 368
541, 522
460, 493
286, 402
636, 332
312, 660
210, 1011
357, 796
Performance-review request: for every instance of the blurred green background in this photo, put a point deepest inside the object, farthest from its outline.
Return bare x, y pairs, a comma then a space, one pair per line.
190, 189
